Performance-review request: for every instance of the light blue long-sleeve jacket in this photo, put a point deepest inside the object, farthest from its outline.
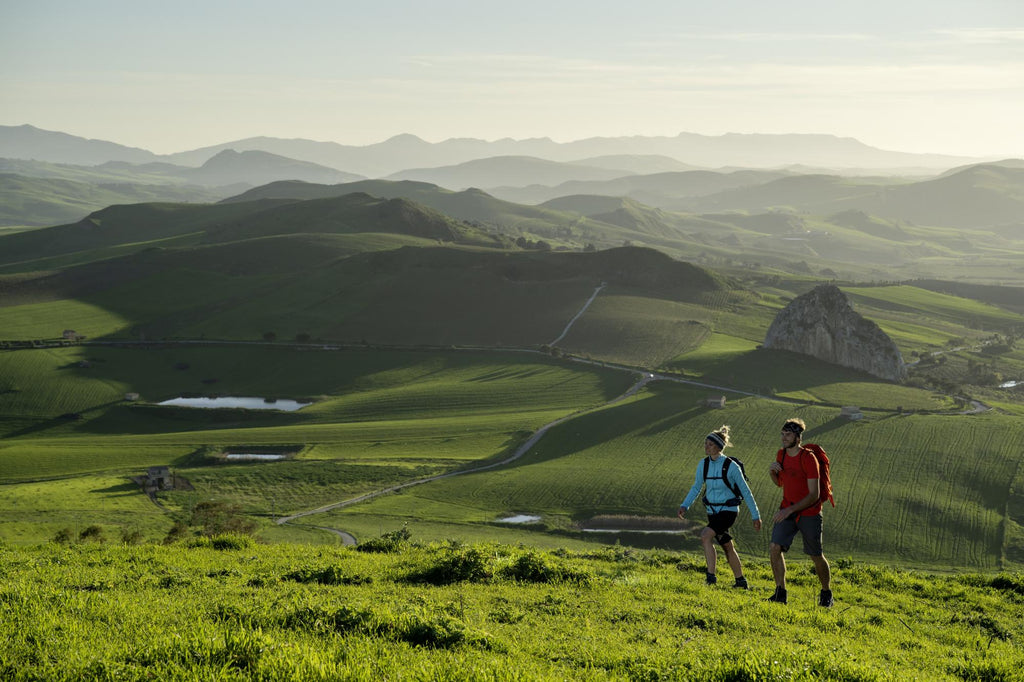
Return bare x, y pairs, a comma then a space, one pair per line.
716, 490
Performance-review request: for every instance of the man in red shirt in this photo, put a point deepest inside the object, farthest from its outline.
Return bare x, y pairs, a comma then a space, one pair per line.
798, 475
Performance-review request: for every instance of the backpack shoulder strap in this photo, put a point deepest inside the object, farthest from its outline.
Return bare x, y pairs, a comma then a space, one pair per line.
725, 477
707, 463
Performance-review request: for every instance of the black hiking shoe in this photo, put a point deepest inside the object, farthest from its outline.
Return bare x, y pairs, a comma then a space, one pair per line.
825, 599
780, 596
741, 584
711, 578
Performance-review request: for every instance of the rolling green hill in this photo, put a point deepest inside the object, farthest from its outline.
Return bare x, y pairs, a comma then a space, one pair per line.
39, 202
322, 286
663, 190
978, 197
133, 228
474, 206
797, 224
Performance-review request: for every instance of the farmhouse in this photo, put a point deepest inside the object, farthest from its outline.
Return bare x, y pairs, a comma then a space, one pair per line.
131, 397
851, 412
159, 478
715, 401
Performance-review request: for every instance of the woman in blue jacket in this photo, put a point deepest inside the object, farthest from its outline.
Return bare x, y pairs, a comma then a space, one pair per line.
724, 488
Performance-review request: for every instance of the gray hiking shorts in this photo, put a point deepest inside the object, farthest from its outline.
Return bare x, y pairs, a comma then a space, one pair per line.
808, 526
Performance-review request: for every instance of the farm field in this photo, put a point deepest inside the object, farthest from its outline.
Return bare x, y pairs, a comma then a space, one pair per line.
227, 608
382, 418
906, 491
378, 418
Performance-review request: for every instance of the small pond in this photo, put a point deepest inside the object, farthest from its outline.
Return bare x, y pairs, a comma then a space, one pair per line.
519, 518
235, 402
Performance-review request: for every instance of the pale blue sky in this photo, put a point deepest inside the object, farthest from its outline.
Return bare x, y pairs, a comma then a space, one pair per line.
943, 76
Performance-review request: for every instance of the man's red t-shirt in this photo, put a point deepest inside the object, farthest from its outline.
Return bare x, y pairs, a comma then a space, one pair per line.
795, 472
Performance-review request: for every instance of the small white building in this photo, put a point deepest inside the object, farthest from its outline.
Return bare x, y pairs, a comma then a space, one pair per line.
715, 401
851, 412
131, 397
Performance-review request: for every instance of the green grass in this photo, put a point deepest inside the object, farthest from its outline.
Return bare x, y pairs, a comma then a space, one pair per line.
484, 611
30, 511
48, 320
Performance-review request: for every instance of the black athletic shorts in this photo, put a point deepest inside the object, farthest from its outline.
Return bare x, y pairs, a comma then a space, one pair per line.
721, 523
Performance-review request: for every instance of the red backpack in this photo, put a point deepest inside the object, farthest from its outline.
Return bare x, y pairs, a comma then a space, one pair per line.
824, 472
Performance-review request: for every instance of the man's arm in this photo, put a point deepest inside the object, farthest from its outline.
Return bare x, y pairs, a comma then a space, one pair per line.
809, 501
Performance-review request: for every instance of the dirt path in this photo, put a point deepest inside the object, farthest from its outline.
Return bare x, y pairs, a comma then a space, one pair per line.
580, 313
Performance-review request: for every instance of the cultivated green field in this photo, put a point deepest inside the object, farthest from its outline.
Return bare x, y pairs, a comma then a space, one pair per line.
378, 418
920, 490
917, 483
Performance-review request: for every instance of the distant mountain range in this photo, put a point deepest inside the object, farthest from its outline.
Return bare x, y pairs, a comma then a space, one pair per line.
404, 152
986, 196
38, 193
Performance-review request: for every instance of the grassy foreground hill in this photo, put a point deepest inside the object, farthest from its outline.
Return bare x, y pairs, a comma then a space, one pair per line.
223, 608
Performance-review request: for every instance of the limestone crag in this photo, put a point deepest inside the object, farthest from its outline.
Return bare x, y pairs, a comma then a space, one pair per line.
823, 324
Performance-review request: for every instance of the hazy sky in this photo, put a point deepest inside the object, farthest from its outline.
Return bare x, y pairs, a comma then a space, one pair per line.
911, 75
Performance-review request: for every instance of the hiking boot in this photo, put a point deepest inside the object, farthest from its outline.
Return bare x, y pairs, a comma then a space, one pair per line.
825, 599
711, 578
741, 584
780, 596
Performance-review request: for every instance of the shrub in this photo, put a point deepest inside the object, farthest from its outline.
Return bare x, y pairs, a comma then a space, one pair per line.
439, 632
92, 533
533, 567
218, 518
231, 542
64, 537
388, 542
466, 565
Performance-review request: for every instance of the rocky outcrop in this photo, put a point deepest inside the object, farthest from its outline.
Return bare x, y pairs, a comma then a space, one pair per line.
823, 324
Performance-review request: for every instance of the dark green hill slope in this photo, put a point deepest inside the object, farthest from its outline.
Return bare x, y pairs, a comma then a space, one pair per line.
135, 224
322, 287
348, 214
121, 229
471, 205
